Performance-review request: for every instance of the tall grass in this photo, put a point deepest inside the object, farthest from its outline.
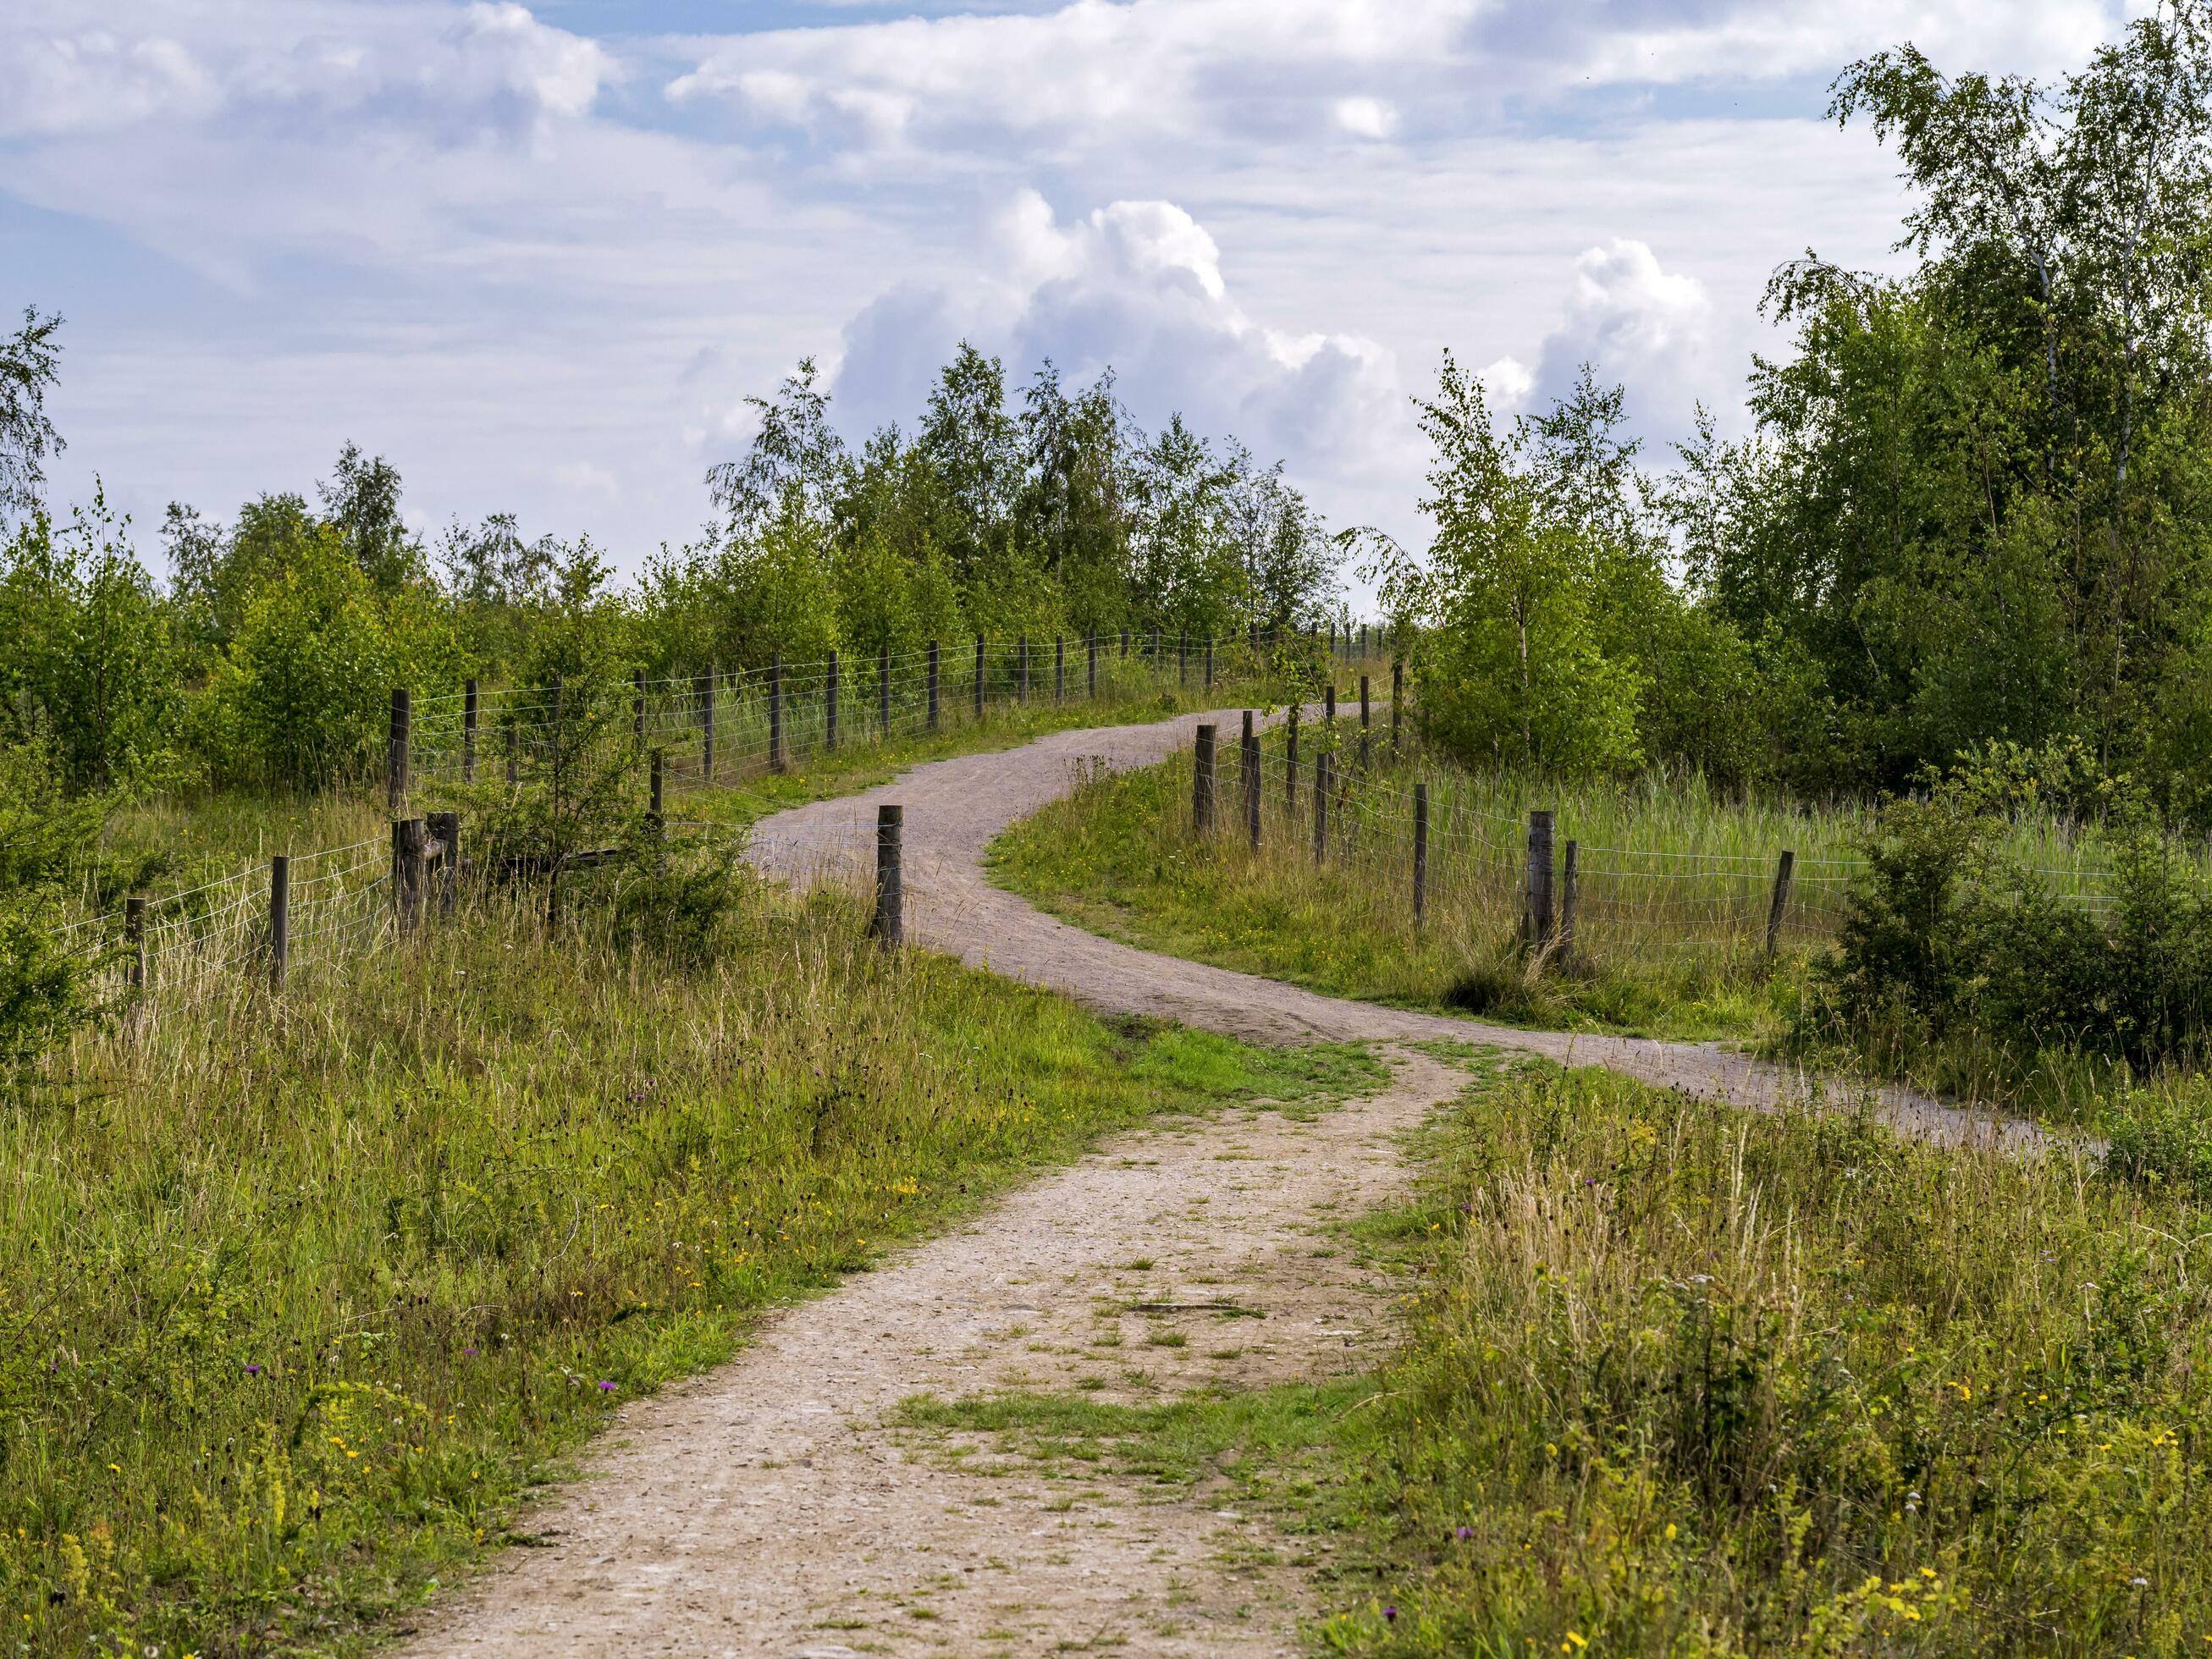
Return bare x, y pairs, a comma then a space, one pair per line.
1688, 1380
1674, 884
301, 1294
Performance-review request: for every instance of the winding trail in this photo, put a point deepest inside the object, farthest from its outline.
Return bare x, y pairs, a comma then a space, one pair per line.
771, 1507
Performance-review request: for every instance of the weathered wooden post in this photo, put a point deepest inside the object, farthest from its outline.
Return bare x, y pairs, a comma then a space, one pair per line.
1091, 669
1569, 884
775, 712
1364, 752
1059, 669
1250, 757
445, 830
1182, 658
280, 918
1209, 662
469, 731
1322, 770
134, 942
1202, 783
1291, 759
830, 705
888, 926
396, 753
655, 823
1783, 871
1397, 701
884, 689
1420, 853
1125, 644
1328, 709
1362, 642
979, 677
934, 720
706, 686
407, 860
1536, 923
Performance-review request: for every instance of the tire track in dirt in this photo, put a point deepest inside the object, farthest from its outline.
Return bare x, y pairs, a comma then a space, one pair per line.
765, 1508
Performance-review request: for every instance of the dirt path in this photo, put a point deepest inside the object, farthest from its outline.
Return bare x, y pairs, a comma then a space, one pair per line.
766, 1508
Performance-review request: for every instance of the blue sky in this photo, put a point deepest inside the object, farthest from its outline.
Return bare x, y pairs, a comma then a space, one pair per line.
538, 257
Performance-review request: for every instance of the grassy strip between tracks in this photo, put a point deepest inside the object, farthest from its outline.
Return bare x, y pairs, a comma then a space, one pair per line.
1681, 1380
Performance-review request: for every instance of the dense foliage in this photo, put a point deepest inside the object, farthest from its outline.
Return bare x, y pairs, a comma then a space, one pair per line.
1975, 506
269, 657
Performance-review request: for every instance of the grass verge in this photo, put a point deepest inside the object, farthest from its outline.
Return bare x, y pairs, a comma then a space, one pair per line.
1683, 1380
1117, 856
303, 1296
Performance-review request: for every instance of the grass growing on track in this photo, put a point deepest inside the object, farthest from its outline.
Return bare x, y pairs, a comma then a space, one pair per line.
302, 1297
1683, 1380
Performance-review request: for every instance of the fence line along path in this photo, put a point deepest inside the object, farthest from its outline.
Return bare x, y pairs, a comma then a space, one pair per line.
953, 809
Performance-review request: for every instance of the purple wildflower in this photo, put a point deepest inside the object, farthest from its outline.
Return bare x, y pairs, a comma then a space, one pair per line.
606, 1387
468, 1354
1466, 1532
1389, 1615
253, 1371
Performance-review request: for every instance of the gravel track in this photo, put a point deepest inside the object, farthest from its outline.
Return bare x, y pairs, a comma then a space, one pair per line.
766, 1508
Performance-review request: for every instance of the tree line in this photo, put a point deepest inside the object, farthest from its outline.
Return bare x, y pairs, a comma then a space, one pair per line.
1974, 506
266, 657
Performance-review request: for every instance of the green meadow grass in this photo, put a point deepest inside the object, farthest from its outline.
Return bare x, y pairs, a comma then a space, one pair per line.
302, 1296
1675, 1379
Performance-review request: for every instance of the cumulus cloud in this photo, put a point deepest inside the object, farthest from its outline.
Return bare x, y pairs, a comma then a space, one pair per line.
1636, 323
1140, 286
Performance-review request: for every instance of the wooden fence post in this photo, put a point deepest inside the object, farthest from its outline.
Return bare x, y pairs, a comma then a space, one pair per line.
1420, 853
396, 752
1397, 701
1249, 756
888, 926
1322, 771
1783, 871
1209, 662
1125, 644
883, 689
654, 822
1022, 669
445, 829
1090, 670
1059, 669
706, 684
469, 731
1202, 783
407, 839
830, 705
1182, 658
1536, 923
775, 712
1291, 760
979, 677
933, 688
134, 941
280, 918
1363, 725
1569, 885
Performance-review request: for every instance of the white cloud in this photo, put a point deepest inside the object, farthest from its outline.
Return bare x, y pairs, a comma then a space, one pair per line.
1367, 118
1140, 286
1634, 323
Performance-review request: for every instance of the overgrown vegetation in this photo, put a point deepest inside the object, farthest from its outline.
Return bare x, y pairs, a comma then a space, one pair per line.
302, 1295
1687, 1380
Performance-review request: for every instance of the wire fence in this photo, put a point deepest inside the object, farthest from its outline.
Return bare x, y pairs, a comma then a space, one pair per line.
1347, 799
714, 729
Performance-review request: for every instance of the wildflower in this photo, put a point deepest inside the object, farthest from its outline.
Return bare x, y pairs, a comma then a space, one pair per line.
1466, 1532
253, 1371
468, 1354
1576, 1638
606, 1387
1389, 1615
